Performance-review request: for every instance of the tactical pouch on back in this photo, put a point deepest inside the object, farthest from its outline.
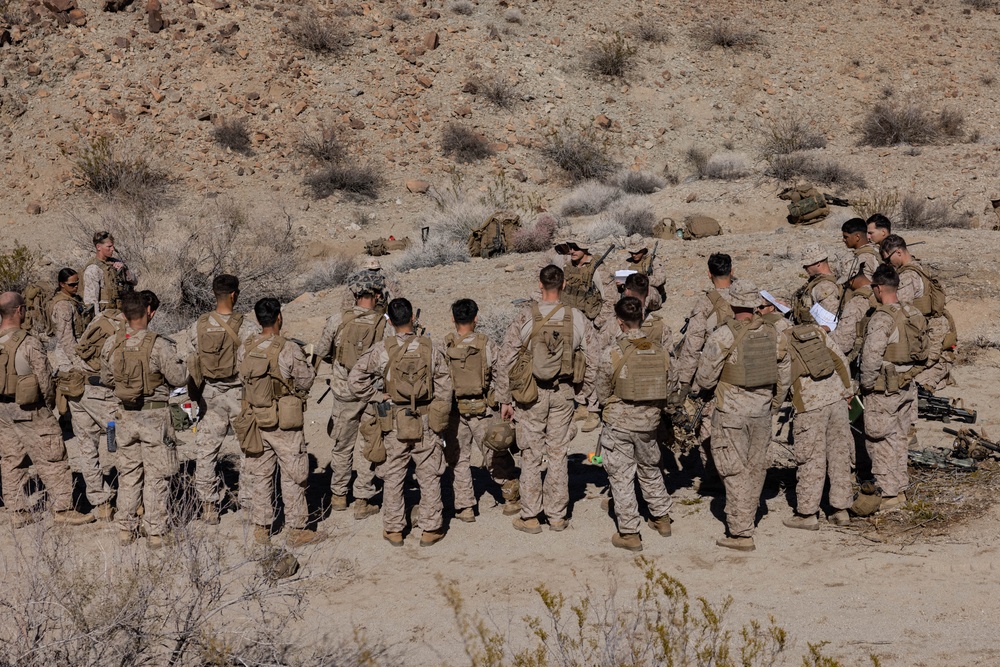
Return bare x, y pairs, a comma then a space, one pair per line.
579, 367
523, 387
71, 383
374, 443
409, 425
266, 417
290, 413
438, 416
27, 392
248, 433
194, 369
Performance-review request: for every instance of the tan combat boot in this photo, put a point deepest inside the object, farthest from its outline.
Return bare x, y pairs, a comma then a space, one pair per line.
888, 502
737, 543
338, 503
104, 512
261, 535
809, 522
530, 526
156, 542
210, 514
660, 525
590, 423
840, 518
395, 539
72, 518
468, 515
558, 525
363, 509
429, 537
581, 413
21, 518
512, 507
630, 542
300, 537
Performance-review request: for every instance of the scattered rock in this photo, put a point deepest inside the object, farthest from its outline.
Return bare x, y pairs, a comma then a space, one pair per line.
34, 208
417, 186
424, 80
602, 121
356, 123
214, 4
34, 69
59, 6
431, 41
78, 17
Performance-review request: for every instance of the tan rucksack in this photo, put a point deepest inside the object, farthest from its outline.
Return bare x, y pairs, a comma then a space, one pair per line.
90, 346
913, 344
640, 370
470, 372
37, 310
806, 204
218, 341
802, 301
580, 291
756, 362
932, 303
356, 335
409, 378
23, 389
701, 226
495, 236
546, 354
263, 384
811, 357
376, 248
134, 378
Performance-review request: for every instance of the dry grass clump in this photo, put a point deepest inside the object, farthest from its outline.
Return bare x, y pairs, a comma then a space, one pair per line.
317, 32
611, 57
580, 154
436, 252
875, 201
651, 31
102, 169
888, 124
464, 144
792, 134
981, 5
357, 181
499, 91
723, 166
814, 168
604, 228
495, 321
233, 134
329, 273
463, 7
728, 34
589, 198
326, 146
638, 182
513, 15
917, 212
536, 237
635, 214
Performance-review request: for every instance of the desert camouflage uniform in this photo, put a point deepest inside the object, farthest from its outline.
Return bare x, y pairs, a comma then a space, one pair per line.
365, 381
866, 259
31, 435
629, 447
220, 404
939, 362
826, 294
346, 414
888, 417
858, 303
63, 318
823, 441
469, 432
93, 283
147, 454
543, 426
284, 450
741, 427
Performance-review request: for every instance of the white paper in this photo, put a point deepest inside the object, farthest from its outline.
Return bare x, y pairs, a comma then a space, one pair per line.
771, 299
621, 275
823, 317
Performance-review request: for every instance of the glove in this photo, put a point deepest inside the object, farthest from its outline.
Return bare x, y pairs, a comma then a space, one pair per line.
676, 399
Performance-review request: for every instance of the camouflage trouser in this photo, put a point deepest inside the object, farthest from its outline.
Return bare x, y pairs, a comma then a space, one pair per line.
470, 432
90, 415
428, 459
37, 442
629, 455
222, 405
346, 453
888, 418
542, 432
739, 447
709, 474
823, 446
284, 451
145, 466
938, 376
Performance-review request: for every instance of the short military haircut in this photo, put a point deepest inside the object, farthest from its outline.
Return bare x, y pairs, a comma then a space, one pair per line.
464, 311
886, 276
629, 310
551, 277
152, 301
720, 264
9, 303
880, 222
66, 274
400, 312
638, 283
266, 311
224, 284
133, 305
854, 226
102, 236
891, 244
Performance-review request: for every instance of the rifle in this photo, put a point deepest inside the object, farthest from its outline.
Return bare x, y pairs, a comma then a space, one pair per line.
417, 329
969, 444
689, 424
652, 258
836, 201
939, 408
329, 388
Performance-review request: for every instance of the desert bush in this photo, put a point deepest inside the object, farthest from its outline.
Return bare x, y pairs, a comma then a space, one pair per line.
723, 166
917, 212
17, 268
791, 134
456, 220
538, 236
603, 228
104, 171
329, 273
436, 252
698, 157
728, 34
814, 168
318, 33
464, 144
580, 154
951, 121
981, 5
611, 57
651, 31
635, 214
233, 134
513, 15
875, 201
325, 146
357, 181
499, 91
463, 7
888, 124
589, 198
495, 321
638, 182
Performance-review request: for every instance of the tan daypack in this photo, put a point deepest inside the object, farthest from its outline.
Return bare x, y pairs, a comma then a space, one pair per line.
543, 356
37, 310
23, 389
409, 377
134, 378
90, 346
806, 204
640, 370
701, 226
356, 335
263, 384
470, 373
495, 236
218, 341
913, 344
754, 351
932, 303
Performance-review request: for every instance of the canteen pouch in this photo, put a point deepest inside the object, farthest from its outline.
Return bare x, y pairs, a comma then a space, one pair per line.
266, 417
27, 392
409, 425
374, 443
290, 417
248, 433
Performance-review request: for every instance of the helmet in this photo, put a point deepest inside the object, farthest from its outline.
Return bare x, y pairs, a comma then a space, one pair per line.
366, 280
499, 436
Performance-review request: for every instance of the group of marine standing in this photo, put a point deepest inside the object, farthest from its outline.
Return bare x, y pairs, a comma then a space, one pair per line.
589, 347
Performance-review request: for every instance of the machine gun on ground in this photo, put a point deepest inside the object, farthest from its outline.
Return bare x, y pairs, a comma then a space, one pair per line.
969, 444
939, 408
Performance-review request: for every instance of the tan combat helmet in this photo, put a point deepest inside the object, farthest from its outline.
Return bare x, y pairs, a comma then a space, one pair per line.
813, 254
744, 294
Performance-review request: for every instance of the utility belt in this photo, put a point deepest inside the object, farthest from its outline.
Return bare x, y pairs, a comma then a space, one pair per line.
473, 407
891, 381
554, 383
144, 406
406, 421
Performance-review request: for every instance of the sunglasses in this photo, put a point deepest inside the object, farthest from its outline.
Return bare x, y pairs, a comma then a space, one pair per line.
76, 284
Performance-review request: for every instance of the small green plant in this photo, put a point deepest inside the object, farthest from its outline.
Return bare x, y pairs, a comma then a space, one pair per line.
611, 57
888, 124
17, 268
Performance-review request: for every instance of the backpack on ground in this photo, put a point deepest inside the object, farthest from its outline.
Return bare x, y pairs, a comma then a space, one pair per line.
495, 236
701, 226
806, 204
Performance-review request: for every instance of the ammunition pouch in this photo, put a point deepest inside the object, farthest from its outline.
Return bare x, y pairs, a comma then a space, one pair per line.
266, 417
409, 423
374, 443
472, 407
248, 432
290, 411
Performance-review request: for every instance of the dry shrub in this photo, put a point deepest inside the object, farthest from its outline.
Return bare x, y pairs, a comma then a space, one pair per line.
589, 198
814, 168
638, 182
356, 181
875, 201
536, 237
494, 322
436, 252
921, 213
951, 121
723, 166
317, 32
17, 268
981, 5
635, 214
499, 91
698, 156
325, 146
649, 30
604, 228
792, 134
463, 7
329, 273
464, 144
580, 154
611, 57
233, 134
888, 124
102, 169
456, 220
728, 34
513, 15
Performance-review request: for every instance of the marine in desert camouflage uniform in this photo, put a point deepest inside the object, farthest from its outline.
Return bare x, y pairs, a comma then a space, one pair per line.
866, 257
821, 288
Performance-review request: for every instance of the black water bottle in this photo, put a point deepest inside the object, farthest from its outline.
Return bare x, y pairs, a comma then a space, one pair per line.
112, 444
